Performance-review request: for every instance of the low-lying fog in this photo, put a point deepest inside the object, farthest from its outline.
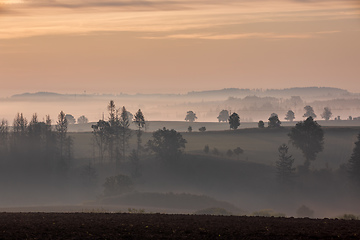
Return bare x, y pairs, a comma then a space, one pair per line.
43, 167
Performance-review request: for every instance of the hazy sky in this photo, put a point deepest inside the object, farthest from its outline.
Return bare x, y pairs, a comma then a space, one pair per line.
113, 46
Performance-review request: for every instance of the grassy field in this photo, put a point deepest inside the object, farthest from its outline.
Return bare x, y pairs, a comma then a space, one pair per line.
259, 145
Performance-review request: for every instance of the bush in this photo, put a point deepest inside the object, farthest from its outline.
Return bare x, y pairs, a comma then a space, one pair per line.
202, 129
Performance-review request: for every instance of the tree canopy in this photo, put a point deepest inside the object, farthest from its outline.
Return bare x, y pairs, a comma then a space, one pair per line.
70, 119
309, 112
234, 121
274, 121
82, 120
308, 136
326, 113
284, 167
223, 116
354, 162
290, 116
190, 116
167, 144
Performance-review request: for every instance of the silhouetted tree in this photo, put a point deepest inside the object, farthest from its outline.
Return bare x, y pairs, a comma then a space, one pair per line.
307, 136
64, 143
237, 151
354, 162
125, 132
61, 129
229, 153
202, 129
223, 116
4, 138
135, 164
290, 116
234, 121
274, 121
167, 144
309, 112
206, 149
82, 120
284, 168
113, 133
326, 114
261, 124
20, 125
189, 129
139, 120
100, 133
190, 116
70, 119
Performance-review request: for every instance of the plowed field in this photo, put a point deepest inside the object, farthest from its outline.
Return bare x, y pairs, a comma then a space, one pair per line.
162, 226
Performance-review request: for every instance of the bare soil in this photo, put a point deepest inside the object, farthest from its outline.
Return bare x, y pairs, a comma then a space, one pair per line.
165, 226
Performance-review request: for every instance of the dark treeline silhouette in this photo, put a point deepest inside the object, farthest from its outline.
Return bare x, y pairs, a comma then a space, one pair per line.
35, 146
112, 136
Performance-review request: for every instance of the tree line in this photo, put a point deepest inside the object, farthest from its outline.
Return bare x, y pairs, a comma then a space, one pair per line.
36, 145
226, 116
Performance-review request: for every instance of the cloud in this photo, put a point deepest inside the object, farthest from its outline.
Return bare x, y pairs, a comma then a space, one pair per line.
36, 17
257, 35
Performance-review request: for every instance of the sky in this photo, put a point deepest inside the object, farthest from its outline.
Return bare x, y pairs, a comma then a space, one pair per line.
135, 46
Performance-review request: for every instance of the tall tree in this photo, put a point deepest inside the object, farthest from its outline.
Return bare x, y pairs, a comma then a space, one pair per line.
307, 136
190, 116
274, 121
125, 132
18, 144
309, 112
100, 133
139, 120
4, 138
61, 129
326, 114
290, 116
64, 143
234, 121
284, 168
354, 162
223, 116
113, 131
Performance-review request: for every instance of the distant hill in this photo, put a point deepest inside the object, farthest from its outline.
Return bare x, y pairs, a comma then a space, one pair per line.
37, 94
304, 92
